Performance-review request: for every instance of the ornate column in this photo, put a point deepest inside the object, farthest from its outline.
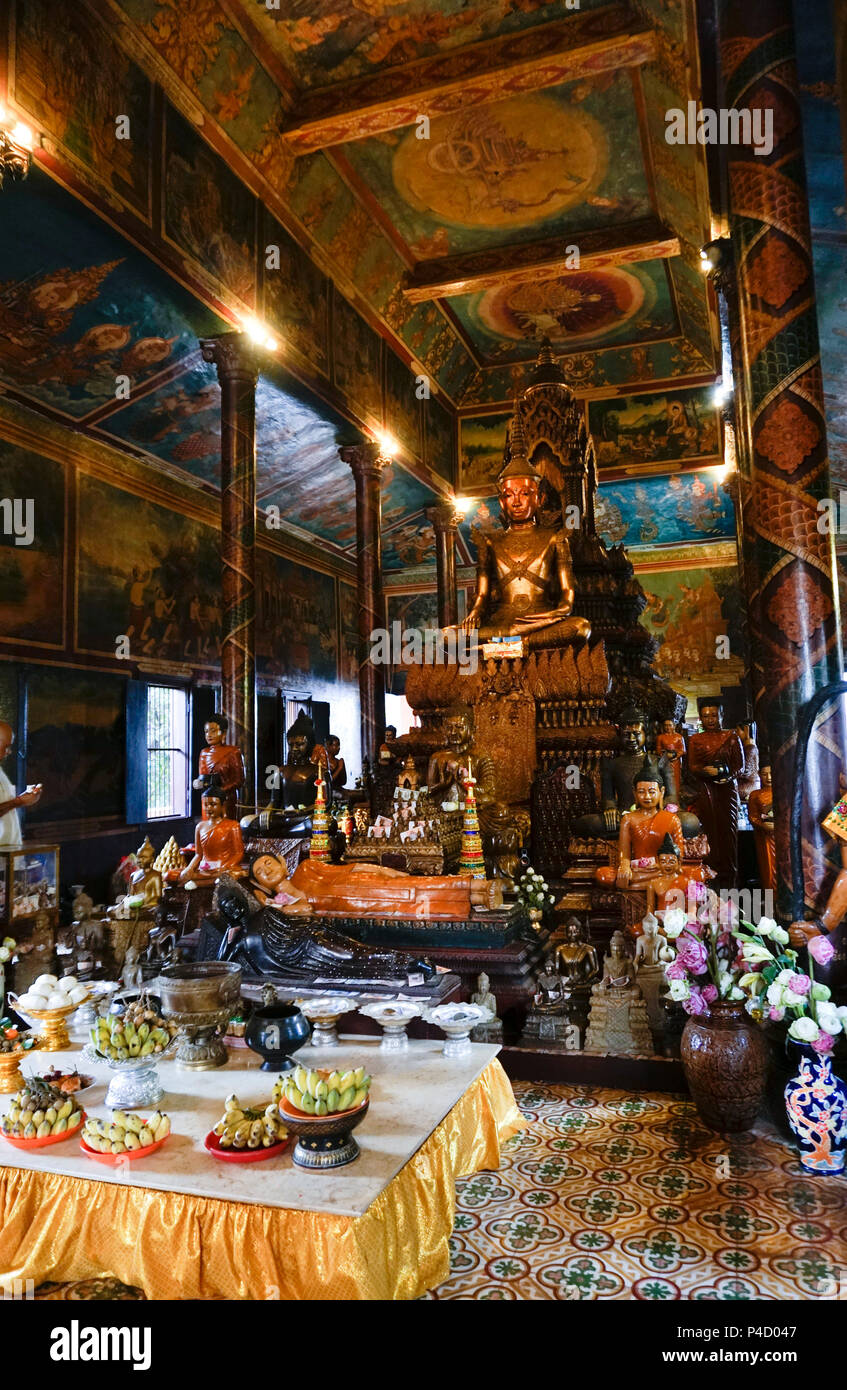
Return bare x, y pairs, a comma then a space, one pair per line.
445, 520
789, 564
367, 464
237, 362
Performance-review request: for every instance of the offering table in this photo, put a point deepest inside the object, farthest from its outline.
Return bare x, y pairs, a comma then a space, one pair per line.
181, 1224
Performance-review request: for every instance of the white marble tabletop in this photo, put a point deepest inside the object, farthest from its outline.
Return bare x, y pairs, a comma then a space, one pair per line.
411, 1093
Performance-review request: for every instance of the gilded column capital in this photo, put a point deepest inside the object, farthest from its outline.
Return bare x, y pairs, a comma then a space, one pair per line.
235, 355
366, 460
444, 517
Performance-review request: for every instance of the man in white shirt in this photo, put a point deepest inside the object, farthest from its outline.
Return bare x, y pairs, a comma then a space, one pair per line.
10, 829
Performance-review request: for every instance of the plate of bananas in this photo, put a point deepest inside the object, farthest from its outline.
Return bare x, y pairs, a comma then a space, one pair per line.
39, 1115
246, 1134
124, 1137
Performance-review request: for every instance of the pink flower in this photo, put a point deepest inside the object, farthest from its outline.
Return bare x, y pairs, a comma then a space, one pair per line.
800, 984
692, 954
676, 971
824, 1042
727, 913
710, 993
695, 1004
725, 941
697, 891
776, 1015
821, 950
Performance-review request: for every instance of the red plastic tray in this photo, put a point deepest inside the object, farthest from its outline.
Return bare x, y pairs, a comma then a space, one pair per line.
48, 1138
116, 1160
213, 1145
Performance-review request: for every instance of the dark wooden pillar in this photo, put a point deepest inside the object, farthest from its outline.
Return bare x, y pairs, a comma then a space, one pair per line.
445, 521
237, 362
789, 561
367, 464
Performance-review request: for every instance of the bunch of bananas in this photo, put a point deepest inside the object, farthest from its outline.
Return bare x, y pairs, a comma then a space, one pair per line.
326, 1092
39, 1110
119, 1037
125, 1132
243, 1128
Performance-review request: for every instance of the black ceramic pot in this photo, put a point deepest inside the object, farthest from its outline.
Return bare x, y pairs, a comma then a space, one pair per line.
274, 1031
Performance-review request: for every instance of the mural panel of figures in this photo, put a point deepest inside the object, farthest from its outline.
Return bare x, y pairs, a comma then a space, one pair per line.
32, 547
688, 613
348, 623
146, 573
85, 306
402, 406
73, 79
208, 212
665, 510
296, 622
296, 296
440, 439
481, 443
659, 428
357, 359
410, 545
75, 744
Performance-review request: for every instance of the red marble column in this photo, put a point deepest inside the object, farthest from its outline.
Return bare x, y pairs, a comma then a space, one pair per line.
367, 464
789, 561
236, 359
445, 521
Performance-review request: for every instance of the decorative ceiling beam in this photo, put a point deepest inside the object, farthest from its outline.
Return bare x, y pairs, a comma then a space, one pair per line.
646, 240
582, 46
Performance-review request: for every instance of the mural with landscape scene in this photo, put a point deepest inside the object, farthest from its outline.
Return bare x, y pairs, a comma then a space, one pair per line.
664, 427
75, 744
666, 510
32, 581
147, 573
296, 622
688, 613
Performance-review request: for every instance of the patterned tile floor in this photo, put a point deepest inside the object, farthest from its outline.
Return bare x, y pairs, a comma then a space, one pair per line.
614, 1196
610, 1195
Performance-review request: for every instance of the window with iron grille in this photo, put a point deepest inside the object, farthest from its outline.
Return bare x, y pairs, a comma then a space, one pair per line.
167, 752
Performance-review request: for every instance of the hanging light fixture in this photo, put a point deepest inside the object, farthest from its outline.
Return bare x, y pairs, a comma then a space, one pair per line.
16, 141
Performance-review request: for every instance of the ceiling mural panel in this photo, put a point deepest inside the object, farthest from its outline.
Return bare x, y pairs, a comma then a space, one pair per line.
179, 423
296, 296
675, 510
586, 309
83, 306
511, 171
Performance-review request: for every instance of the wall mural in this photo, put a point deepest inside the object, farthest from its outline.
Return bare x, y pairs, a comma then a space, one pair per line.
348, 625
665, 510
687, 613
72, 76
75, 744
296, 296
583, 309
84, 306
481, 443
207, 210
296, 622
32, 575
357, 359
402, 406
657, 428
439, 439
148, 573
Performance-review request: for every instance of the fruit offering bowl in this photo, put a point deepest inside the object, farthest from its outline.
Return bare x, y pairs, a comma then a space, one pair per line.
325, 1013
54, 1021
15, 1044
456, 1021
392, 1018
323, 1141
136, 1081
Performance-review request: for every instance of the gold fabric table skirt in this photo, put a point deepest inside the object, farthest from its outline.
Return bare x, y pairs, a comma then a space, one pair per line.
175, 1246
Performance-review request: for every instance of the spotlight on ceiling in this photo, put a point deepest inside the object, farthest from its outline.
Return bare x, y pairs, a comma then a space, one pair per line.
721, 394
258, 333
462, 505
388, 446
714, 255
16, 142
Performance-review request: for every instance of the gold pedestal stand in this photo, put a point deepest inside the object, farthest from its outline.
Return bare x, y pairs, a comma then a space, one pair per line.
54, 1024
11, 1078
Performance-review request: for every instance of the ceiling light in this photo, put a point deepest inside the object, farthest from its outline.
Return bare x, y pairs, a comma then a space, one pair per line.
258, 333
462, 505
388, 445
16, 142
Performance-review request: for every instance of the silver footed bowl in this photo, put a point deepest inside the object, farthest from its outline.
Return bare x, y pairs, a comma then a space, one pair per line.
136, 1081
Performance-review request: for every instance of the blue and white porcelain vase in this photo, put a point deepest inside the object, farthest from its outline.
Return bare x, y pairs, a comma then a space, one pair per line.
816, 1102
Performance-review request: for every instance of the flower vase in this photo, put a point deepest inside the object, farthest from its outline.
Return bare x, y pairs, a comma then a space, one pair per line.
816, 1104
725, 1058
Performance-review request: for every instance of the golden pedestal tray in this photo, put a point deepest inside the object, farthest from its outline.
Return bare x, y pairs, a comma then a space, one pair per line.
11, 1077
54, 1024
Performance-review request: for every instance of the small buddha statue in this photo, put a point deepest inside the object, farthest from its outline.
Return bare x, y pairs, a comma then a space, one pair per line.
450, 769
576, 957
220, 764
616, 774
218, 845
294, 789
408, 778
328, 755
525, 584
670, 885
146, 879
618, 1022
642, 831
492, 1031
652, 953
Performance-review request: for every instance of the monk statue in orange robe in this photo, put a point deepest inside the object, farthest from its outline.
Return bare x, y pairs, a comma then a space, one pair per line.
715, 763
220, 765
671, 745
760, 811
642, 832
219, 848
